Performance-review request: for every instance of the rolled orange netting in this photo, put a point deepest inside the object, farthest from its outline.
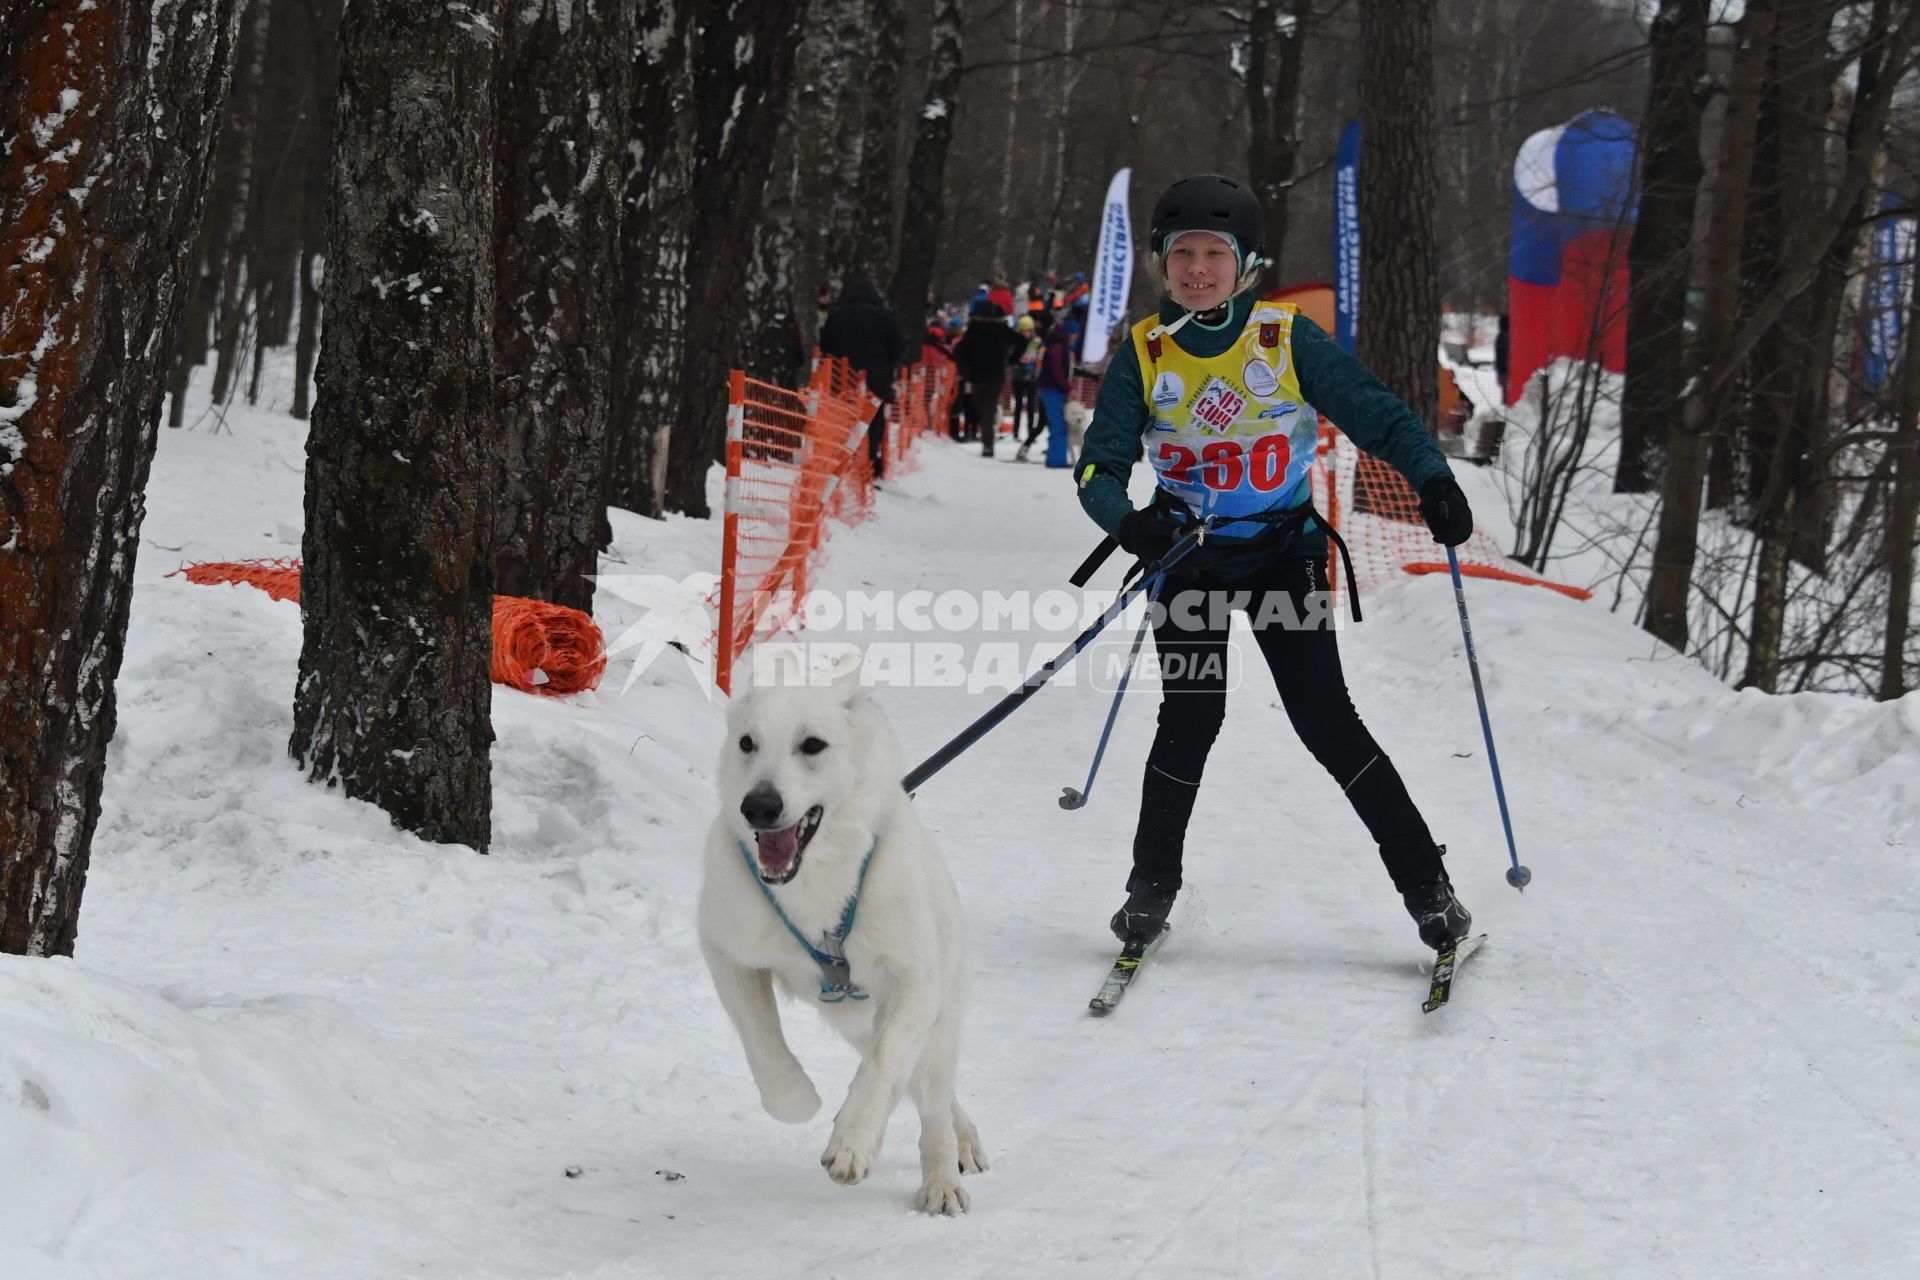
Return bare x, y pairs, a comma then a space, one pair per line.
538, 647
545, 648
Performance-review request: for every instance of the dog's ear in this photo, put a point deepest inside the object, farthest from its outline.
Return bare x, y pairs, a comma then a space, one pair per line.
778, 666
843, 676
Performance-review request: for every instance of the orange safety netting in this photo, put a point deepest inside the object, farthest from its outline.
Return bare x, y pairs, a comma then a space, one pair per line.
794, 459
1378, 514
537, 647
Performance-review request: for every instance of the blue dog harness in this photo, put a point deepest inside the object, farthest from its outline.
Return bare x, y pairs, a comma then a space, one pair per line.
836, 976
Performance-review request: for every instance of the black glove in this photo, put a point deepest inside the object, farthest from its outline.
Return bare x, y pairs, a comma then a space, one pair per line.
1445, 510
1148, 533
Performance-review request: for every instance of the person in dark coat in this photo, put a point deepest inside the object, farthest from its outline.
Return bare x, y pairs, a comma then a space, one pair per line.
860, 328
983, 354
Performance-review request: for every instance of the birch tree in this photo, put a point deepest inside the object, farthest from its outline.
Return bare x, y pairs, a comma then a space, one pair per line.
1676, 544
109, 113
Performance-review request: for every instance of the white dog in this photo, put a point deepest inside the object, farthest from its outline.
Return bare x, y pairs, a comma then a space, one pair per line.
1078, 417
817, 854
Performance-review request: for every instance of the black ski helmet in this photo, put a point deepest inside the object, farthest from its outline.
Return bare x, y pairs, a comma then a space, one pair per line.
1209, 202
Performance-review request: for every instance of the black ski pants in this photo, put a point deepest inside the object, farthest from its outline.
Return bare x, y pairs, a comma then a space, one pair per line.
1291, 610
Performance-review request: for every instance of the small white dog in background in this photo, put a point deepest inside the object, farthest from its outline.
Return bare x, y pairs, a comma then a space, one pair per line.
1078, 417
820, 879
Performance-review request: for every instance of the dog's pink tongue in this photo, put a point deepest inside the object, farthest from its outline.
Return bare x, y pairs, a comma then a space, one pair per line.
778, 848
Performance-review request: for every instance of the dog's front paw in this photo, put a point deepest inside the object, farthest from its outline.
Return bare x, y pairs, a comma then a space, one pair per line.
850, 1152
942, 1196
792, 1101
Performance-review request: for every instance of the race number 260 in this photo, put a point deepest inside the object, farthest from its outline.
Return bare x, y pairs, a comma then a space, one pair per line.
1223, 465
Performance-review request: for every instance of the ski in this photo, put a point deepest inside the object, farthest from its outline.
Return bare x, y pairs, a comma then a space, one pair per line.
1120, 977
1444, 965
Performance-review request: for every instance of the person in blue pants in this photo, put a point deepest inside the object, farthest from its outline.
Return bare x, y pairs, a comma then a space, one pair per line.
1056, 376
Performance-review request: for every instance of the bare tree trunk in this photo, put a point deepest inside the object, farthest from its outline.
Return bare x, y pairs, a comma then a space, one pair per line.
557, 232
740, 92
1660, 259
1066, 78
1003, 215
315, 173
927, 170
773, 343
111, 110
1881, 67
235, 288
649, 341
1790, 460
1903, 516
226, 188
392, 701
834, 50
286, 99
879, 188
1677, 541
1274, 59
1399, 270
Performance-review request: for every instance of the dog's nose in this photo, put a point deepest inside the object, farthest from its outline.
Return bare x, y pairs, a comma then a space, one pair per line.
762, 807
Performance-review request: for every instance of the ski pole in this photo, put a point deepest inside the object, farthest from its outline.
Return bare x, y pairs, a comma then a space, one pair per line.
1070, 798
1517, 875
1033, 683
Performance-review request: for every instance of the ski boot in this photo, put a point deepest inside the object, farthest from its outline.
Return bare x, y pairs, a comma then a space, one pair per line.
1145, 913
1442, 918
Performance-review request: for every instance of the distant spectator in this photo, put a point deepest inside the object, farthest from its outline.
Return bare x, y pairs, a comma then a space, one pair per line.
861, 329
1042, 317
982, 354
1025, 357
1051, 386
936, 342
1001, 296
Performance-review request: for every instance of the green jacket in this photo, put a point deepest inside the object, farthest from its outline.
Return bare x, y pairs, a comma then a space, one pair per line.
1334, 383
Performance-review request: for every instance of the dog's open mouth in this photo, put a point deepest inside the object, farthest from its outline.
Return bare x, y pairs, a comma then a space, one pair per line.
780, 848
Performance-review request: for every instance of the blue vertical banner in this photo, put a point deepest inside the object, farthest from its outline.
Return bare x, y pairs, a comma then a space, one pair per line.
1883, 311
1112, 272
1346, 237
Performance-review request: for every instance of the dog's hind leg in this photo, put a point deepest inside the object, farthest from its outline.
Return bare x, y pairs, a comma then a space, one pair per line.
973, 1156
941, 1157
747, 995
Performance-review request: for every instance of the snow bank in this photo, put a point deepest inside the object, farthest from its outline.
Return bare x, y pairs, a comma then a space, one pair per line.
199, 1123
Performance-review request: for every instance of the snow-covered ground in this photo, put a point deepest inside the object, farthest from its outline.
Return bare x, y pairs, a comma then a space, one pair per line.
298, 1043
